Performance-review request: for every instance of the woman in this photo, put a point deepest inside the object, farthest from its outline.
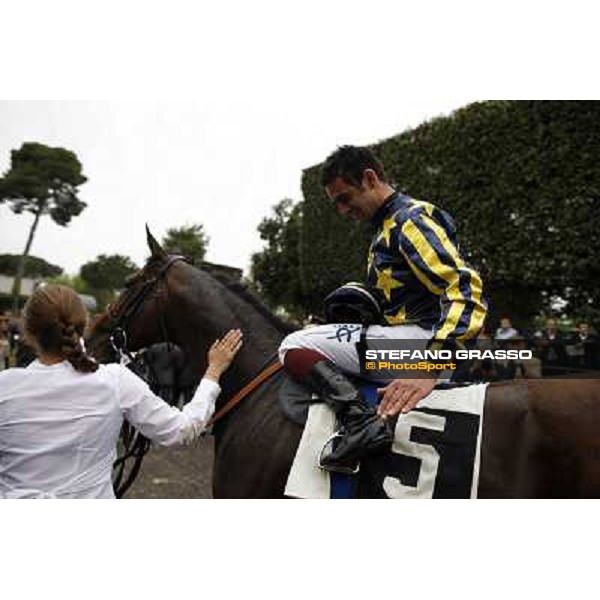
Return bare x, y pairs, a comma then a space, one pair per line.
60, 417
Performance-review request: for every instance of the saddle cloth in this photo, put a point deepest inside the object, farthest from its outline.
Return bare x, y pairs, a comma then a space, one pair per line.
436, 452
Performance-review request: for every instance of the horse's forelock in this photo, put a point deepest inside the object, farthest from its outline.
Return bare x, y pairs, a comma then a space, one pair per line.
152, 264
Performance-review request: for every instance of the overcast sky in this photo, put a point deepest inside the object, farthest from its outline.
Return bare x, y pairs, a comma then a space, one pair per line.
223, 164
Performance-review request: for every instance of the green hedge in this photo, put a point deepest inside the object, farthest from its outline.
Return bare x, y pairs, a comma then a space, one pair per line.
520, 178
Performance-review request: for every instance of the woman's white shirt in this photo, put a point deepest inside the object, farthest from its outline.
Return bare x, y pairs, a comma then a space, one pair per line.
59, 428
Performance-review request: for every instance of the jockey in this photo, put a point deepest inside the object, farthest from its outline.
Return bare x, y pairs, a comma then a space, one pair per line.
425, 291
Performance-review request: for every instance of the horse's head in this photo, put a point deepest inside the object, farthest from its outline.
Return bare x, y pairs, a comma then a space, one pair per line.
139, 317
171, 300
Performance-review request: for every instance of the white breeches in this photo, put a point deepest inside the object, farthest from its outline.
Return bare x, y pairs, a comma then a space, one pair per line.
338, 341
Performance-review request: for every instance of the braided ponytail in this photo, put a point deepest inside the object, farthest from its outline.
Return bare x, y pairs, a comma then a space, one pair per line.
73, 350
55, 319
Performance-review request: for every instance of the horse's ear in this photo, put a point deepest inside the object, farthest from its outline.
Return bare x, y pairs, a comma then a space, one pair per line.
155, 247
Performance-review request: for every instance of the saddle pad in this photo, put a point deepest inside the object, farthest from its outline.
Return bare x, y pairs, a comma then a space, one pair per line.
436, 452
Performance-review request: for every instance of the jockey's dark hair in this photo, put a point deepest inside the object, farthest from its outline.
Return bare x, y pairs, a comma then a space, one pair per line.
55, 319
349, 163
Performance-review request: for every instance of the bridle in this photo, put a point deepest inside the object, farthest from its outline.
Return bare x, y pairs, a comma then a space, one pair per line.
121, 314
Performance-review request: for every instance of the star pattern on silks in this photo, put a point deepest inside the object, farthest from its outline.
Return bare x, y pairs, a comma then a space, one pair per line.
398, 318
386, 283
388, 225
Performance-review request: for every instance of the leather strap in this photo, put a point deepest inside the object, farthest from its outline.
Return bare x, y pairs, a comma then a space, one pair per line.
245, 391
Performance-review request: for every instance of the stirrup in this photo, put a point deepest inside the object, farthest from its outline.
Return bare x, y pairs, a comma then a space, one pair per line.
333, 468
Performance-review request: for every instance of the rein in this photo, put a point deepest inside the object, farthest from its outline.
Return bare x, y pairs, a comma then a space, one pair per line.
262, 376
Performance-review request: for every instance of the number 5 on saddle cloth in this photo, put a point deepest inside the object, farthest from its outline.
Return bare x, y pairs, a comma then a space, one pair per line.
435, 453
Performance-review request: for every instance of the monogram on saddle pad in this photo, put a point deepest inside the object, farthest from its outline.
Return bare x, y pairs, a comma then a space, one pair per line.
435, 454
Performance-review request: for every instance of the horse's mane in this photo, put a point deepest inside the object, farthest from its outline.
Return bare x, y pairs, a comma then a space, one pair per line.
239, 289
243, 292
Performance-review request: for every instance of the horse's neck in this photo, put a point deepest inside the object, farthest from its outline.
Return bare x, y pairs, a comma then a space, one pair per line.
261, 338
260, 345
261, 341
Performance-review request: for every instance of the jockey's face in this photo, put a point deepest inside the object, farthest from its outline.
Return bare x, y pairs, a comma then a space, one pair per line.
359, 203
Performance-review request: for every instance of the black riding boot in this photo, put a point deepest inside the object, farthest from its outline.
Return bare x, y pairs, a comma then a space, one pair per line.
362, 430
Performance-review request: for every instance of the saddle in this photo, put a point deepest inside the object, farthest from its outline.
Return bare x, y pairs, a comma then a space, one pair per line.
295, 398
351, 303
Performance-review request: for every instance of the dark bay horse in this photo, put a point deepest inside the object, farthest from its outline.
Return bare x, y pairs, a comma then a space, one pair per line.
541, 438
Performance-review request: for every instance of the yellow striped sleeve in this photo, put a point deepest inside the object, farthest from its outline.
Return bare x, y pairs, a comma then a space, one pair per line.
443, 277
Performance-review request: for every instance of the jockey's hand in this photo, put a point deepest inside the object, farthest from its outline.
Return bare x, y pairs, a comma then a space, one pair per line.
402, 395
222, 353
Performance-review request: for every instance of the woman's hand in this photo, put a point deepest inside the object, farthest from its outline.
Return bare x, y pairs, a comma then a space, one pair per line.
222, 353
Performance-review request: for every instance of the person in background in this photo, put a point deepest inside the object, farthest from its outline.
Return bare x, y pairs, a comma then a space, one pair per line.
506, 331
552, 351
583, 348
528, 368
488, 369
60, 417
